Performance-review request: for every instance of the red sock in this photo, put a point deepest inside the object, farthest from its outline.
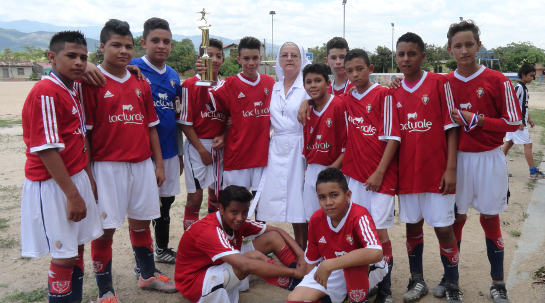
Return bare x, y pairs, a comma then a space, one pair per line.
59, 280
286, 256
191, 215
492, 230
450, 256
457, 228
277, 281
101, 254
413, 239
357, 283
387, 251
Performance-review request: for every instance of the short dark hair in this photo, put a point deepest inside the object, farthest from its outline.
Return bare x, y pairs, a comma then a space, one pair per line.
463, 26
409, 37
333, 175
56, 44
249, 43
357, 53
235, 193
116, 27
155, 23
525, 70
336, 42
317, 68
217, 44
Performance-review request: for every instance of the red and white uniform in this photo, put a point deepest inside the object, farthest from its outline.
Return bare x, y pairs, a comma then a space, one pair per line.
196, 111
325, 133
424, 115
247, 102
324, 141
197, 254
482, 173
120, 115
356, 230
372, 120
339, 90
53, 118
489, 94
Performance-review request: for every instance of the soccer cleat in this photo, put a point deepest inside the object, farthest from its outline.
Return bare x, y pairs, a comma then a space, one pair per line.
415, 290
383, 298
108, 297
166, 255
499, 293
158, 282
538, 175
440, 290
453, 293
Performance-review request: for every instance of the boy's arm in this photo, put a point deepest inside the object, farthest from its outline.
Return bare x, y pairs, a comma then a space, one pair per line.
358, 257
157, 156
88, 167
448, 181
375, 180
244, 266
95, 77
291, 243
304, 111
339, 162
191, 135
77, 210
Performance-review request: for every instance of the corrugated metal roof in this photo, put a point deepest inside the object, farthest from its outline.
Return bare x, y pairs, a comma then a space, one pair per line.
16, 64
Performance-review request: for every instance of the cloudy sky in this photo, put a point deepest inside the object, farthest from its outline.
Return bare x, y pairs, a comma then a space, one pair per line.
309, 22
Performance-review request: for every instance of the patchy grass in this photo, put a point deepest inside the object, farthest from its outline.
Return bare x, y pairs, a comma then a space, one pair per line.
515, 233
35, 295
10, 122
525, 215
4, 223
538, 157
538, 116
12, 144
530, 185
8, 243
539, 274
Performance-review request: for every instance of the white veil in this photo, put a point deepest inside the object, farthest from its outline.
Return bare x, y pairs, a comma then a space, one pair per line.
304, 61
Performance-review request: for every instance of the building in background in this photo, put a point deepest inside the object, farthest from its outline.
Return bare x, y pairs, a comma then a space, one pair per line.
15, 70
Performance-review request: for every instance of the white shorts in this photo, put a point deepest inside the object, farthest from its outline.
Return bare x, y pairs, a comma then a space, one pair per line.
336, 284
519, 136
194, 169
126, 190
46, 229
380, 206
482, 182
248, 178
310, 197
436, 209
221, 285
171, 186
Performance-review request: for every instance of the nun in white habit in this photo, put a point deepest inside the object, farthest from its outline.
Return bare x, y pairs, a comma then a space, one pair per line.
281, 198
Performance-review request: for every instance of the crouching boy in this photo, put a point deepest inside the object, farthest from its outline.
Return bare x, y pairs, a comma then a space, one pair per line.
342, 236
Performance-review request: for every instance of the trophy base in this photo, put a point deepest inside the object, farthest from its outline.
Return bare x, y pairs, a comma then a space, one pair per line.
205, 83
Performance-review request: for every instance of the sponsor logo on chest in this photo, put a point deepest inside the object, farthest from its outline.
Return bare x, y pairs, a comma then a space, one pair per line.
213, 116
367, 130
413, 124
257, 111
128, 115
163, 102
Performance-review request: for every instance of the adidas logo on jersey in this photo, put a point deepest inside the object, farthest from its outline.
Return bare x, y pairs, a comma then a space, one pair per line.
74, 110
108, 94
322, 240
241, 95
398, 105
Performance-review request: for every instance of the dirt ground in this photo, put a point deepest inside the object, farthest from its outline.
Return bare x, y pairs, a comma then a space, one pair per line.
25, 279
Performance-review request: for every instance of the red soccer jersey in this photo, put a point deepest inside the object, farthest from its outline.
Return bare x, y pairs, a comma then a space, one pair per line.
489, 94
424, 116
202, 246
196, 111
325, 133
53, 118
247, 102
372, 121
356, 230
119, 115
337, 91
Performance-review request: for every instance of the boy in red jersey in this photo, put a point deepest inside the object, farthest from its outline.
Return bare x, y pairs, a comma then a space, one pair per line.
488, 109
336, 50
324, 133
343, 242
427, 172
369, 162
205, 133
57, 197
122, 165
246, 98
210, 268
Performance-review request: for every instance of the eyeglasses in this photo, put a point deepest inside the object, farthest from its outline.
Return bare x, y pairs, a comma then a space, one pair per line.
286, 55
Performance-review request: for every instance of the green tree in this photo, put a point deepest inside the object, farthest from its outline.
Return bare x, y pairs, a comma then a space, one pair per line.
319, 53
513, 55
435, 57
182, 56
138, 49
381, 59
32, 53
230, 67
96, 57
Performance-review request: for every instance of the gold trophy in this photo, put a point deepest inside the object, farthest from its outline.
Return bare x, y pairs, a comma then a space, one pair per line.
207, 79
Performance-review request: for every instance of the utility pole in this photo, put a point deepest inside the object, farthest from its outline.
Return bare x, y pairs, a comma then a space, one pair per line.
392, 47
272, 13
344, 16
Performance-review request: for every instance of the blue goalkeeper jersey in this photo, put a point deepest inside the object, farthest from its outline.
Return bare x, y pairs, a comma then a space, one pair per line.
165, 88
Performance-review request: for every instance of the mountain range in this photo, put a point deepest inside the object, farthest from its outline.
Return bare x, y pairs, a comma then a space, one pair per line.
15, 34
